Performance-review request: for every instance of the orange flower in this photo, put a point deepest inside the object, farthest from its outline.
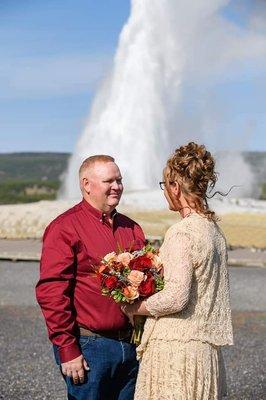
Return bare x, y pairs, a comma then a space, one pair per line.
102, 268
150, 254
130, 292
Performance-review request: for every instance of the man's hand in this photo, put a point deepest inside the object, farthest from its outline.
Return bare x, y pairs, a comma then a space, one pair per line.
75, 369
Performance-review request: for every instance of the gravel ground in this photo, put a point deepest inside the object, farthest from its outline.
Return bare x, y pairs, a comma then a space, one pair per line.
27, 369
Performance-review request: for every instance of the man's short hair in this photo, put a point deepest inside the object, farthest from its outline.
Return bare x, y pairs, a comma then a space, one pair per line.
90, 161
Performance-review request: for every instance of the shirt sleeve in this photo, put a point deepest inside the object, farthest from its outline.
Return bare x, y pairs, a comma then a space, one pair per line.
55, 288
178, 272
139, 236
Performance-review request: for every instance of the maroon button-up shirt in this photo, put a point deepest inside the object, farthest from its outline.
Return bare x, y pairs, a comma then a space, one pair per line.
69, 291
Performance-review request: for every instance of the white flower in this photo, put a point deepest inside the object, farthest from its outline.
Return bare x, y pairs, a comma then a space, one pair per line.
110, 257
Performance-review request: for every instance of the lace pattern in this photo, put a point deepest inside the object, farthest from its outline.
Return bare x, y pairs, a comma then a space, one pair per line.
181, 371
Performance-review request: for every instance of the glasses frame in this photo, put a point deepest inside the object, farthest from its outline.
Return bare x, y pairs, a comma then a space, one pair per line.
162, 185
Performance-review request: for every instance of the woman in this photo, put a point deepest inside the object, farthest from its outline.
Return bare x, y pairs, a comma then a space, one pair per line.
190, 318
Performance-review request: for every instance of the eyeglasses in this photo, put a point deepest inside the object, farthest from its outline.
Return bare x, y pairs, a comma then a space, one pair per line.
162, 185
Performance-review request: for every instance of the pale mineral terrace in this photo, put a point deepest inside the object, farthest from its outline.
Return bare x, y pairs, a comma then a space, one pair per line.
22, 221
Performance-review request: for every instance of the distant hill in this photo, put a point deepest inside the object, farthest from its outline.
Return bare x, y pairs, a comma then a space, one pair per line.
27, 166
28, 177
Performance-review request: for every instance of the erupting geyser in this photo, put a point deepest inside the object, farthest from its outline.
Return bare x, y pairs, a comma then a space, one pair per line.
136, 114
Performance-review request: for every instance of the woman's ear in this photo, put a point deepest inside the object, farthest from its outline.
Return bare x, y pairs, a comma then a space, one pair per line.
175, 187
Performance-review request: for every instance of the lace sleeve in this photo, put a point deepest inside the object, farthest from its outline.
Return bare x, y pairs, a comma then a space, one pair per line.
178, 270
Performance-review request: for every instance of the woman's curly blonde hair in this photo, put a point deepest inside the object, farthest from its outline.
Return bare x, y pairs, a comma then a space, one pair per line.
192, 166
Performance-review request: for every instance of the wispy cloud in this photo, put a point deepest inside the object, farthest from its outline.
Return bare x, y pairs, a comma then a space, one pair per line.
219, 49
43, 77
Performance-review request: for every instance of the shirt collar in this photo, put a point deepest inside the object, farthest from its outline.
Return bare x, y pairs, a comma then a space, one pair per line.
97, 213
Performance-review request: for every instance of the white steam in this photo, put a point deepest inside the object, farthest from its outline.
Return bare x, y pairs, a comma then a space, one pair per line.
167, 51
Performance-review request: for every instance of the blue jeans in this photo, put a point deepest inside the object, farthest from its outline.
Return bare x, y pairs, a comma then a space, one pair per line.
113, 370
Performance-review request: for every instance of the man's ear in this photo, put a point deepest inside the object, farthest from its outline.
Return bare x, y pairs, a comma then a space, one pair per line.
86, 185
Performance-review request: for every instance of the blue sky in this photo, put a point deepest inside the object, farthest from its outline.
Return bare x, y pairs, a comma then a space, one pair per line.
54, 54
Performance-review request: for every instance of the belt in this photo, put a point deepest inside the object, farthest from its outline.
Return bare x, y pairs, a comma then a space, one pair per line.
121, 334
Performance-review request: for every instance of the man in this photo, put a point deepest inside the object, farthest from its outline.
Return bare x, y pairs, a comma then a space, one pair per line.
91, 335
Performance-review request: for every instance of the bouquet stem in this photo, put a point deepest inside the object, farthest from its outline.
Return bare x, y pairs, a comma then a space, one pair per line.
139, 321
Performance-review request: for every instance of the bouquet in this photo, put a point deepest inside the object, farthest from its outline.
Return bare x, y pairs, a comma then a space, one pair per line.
131, 276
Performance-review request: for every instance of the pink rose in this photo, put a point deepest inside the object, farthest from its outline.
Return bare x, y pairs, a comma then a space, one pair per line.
135, 277
124, 258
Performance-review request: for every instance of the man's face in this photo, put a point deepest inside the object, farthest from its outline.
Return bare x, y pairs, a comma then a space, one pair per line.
103, 186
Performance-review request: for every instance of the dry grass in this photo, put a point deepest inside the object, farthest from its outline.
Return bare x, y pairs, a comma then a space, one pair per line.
245, 230
241, 230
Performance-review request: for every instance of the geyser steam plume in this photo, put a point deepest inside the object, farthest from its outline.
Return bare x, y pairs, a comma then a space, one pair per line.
135, 115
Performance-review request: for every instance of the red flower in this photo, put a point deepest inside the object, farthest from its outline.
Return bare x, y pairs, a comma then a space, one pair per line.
147, 288
110, 282
140, 263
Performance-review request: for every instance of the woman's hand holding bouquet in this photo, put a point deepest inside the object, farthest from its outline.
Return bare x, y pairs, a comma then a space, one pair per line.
129, 277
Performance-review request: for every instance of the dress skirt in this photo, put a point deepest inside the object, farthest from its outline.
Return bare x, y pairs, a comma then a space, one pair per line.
174, 370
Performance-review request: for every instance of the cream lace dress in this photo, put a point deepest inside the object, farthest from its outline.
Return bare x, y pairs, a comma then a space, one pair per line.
191, 317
